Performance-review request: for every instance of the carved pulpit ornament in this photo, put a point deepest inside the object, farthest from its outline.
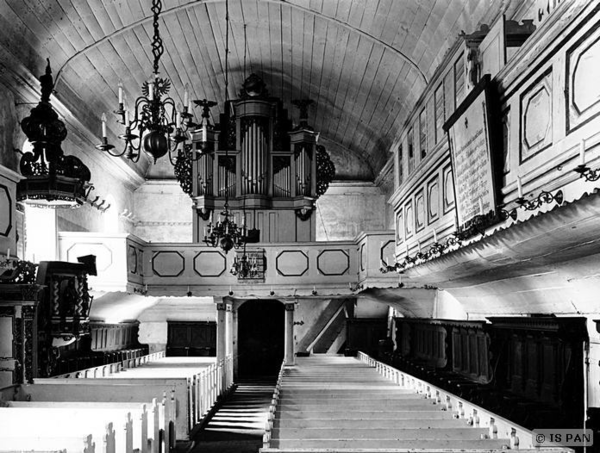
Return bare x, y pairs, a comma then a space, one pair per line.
52, 179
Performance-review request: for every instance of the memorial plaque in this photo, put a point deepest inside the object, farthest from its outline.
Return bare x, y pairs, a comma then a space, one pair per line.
471, 155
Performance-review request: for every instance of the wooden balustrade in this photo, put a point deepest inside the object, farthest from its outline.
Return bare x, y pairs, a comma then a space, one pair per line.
272, 409
474, 415
111, 368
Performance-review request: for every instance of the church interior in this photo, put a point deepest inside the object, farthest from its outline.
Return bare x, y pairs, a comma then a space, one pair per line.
382, 215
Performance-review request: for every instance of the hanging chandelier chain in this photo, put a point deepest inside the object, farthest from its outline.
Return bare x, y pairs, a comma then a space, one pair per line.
226, 206
157, 43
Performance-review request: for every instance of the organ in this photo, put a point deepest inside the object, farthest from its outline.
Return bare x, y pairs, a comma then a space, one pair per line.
272, 172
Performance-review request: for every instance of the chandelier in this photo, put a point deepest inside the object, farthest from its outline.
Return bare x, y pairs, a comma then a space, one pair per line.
156, 125
225, 233
52, 179
245, 267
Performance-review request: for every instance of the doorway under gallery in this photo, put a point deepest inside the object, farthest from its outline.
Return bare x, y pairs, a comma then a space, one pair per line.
260, 338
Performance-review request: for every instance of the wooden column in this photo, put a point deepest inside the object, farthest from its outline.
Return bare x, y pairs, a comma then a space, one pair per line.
289, 357
222, 337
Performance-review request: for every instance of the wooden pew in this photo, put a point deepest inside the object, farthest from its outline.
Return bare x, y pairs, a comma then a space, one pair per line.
162, 417
125, 389
35, 430
151, 416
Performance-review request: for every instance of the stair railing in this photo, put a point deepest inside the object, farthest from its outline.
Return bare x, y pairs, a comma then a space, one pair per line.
473, 415
272, 408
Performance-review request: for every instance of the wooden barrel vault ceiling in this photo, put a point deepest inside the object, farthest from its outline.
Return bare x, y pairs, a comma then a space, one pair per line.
364, 62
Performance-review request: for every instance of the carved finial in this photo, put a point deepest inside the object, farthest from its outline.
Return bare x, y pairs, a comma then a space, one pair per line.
302, 105
47, 83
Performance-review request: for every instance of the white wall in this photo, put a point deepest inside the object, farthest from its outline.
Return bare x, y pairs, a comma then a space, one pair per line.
163, 212
348, 208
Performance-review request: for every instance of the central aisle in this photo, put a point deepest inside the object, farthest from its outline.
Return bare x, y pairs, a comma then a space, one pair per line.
239, 424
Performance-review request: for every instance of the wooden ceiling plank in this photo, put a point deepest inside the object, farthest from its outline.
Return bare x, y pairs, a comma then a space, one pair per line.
356, 13
288, 76
346, 81
398, 121
393, 108
115, 15
316, 6
236, 50
84, 77
413, 43
340, 46
363, 101
318, 63
380, 92
362, 61
27, 46
404, 25
216, 15
57, 42
366, 21
329, 51
26, 42
328, 9
77, 22
209, 54
196, 60
264, 31
89, 20
100, 14
307, 52
302, 3
382, 15
343, 10
391, 27
140, 9
137, 53
252, 46
135, 71
175, 64
297, 22
274, 12
113, 69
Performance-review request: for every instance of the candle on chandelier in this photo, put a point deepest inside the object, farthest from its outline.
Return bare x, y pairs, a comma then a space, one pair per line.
434, 236
419, 246
582, 153
120, 92
7, 253
519, 187
104, 125
186, 95
151, 89
480, 206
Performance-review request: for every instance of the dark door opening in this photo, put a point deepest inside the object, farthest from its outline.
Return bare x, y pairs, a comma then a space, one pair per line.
260, 338
192, 339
